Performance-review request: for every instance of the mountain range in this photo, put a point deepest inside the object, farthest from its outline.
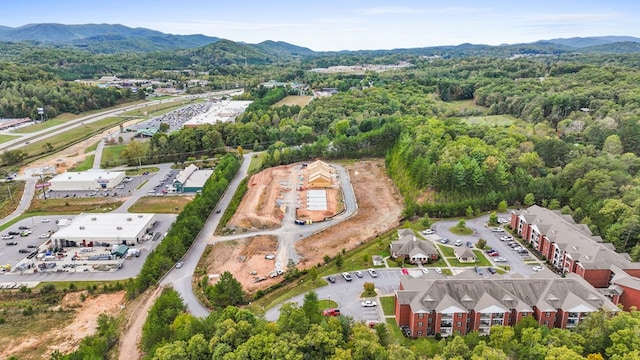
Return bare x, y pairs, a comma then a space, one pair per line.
115, 38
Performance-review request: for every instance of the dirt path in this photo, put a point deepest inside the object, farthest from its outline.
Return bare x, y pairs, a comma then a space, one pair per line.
129, 345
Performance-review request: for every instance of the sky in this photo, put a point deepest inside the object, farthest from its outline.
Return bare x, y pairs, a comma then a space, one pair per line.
332, 25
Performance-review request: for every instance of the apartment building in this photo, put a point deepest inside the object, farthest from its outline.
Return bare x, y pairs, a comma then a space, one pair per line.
572, 248
468, 302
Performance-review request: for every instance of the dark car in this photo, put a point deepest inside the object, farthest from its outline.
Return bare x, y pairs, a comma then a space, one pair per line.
14, 233
12, 243
491, 270
469, 244
24, 251
331, 279
23, 227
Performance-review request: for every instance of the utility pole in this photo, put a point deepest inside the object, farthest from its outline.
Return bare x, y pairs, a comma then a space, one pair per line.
44, 190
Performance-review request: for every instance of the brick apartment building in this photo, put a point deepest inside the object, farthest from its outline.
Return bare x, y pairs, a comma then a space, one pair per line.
434, 304
572, 248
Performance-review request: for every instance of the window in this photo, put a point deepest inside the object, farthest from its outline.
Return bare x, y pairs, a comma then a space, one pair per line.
547, 314
430, 320
458, 324
420, 316
459, 315
420, 324
546, 323
419, 333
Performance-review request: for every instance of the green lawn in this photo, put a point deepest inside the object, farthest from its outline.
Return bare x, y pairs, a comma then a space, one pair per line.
91, 148
327, 304
86, 164
490, 120
256, 162
461, 230
4, 138
388, 305
111, 155
447, 251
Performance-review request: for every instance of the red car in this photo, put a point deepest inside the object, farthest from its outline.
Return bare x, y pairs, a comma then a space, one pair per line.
331, 312
495, 253
405, 271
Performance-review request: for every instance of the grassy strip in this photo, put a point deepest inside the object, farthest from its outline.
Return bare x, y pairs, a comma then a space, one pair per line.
91, 148
86, 164
233, 205
388, 305
160, 205
256, 162
72, 205
327, 304
285, 293
134, 172
4, 138
10, 193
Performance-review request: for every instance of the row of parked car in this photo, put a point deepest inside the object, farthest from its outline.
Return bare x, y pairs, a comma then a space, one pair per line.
347, 276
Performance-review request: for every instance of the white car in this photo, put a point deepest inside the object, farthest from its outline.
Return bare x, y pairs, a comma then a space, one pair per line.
43, 236
7, 237
537, 268
347, 276
179, 265
438, 270
372, 272
506, 238
44, 220
425, 270
428, 232
368, 303
500, 259
497, 229
359, 274
458, 242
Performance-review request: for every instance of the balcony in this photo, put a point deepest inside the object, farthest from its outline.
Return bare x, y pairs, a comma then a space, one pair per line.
485, 323
446, 324
446, 316
497, 322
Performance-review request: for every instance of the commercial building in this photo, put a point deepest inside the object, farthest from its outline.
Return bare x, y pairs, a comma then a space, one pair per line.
468, 302
104, 230
191, 179
409, 247
572, 248
86, 180
220, 111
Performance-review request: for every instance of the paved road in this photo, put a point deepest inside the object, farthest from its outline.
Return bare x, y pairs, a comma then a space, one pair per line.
25, 201
97, 159
180, 279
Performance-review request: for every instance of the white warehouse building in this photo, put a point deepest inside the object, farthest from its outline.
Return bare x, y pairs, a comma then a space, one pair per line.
87, 180
89, 230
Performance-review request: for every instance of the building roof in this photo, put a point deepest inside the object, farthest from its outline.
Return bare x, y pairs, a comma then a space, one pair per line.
576, 240
185, 173
409, 244
89, 175
113, 225
198, 178
622, 278
457, 294
463, 253
222, 111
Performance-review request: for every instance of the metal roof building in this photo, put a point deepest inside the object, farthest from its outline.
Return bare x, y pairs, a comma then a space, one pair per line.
96, 229
87, 180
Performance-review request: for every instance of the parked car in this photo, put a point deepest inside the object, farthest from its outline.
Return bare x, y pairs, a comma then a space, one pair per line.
14, 233
7, 237
12, 243
270, 256
405, 271
458, 242
444, 241
25, 233
359, 274
347, 276
331, 312
506, 238
425, 270
331, 279
469, 244
438, 270
428, 232
478, 270
500, 259
179, 265
44, 220
497, 229
43, 236
368, 303
24, 251
32, 246
537, 268
491, 270
23, 227
372, 272
495, 253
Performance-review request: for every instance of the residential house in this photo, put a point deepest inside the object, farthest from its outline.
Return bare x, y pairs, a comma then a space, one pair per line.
414, 250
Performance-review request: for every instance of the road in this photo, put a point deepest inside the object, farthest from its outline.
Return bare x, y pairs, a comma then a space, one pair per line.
180, 279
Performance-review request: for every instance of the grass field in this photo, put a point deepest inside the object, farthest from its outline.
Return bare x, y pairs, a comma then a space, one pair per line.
73, 205
4, 138
490, 120
256, 162
160, 204
111, 155
292, 100
91, 148
71, 136
86, 164
10, 194
388, 304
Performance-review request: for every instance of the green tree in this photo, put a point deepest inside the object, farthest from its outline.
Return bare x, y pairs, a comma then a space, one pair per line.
311, 307
227, 291
469, 212
502, 206
313, 274
426, 221
529, 199
493, 219
481, 244
339, 261
612, 145
293, 319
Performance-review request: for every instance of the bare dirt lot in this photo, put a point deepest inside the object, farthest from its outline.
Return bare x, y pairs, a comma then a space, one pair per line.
245, 259
379, 209
292, 100
67, 337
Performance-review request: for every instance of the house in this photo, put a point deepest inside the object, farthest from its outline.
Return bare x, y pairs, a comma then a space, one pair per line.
409, 247
462, 304
465, 255
319, 174
572, 248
